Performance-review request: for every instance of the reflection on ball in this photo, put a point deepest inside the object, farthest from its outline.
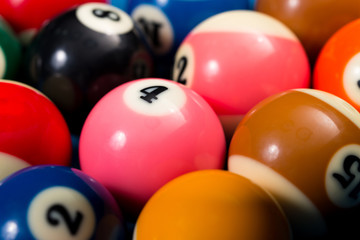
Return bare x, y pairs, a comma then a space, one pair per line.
146, 132
211, 204
300, 145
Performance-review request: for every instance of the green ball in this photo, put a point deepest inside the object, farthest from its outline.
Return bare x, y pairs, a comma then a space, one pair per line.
10, 52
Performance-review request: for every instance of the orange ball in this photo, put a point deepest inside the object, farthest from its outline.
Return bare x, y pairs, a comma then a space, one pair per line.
303, 146
337, 68
211, 204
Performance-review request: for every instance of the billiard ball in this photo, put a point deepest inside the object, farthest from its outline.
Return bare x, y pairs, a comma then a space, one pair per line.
146, 132
82, 54
237, 58
57, 202
166, 25
252, 4
314, 22
122, 4
212, 204
10, 164
10, 51
303, 146
337, 67
31, 126
28, 16
6, 26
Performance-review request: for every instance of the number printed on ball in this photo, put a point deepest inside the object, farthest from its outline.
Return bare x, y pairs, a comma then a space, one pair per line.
343, 177
154, 97
156, 26
104, 18
50, 216
183, 69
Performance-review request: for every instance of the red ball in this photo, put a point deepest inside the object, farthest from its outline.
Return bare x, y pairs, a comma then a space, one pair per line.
31, 14
31, 126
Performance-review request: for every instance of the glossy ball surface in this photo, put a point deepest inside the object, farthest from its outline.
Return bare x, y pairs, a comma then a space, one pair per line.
300, 145
82, 54
237, 58
166, 25
30, 15
31, 126
146, 132
314, 22
211, 204
337, 68
10, 52
122, 4
54, 202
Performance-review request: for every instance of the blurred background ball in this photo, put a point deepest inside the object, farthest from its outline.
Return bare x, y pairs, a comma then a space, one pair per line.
166, 24
122, 4
10, 52
312, 21
27, 16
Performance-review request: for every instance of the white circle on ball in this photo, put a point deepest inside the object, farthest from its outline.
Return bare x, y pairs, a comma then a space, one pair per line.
351, 78
104, 18
61, 213
184, 66
10, 164
156, 26
2, 63
154, 97
343, 177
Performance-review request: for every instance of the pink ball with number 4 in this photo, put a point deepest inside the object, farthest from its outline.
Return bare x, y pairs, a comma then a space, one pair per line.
146, 132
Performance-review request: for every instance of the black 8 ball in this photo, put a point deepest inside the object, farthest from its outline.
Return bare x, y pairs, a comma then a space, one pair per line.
80, 55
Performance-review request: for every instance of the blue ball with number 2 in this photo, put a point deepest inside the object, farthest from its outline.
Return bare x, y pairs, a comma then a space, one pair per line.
56, 202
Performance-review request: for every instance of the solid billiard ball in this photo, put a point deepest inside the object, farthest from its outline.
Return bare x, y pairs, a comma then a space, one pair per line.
122, 4
237, 58
57, 202
337, 68
312, 21
10, 51
6, 26
82, 54
28, 16
166, 26
146, 132
31, 126
303, 146
212, 204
